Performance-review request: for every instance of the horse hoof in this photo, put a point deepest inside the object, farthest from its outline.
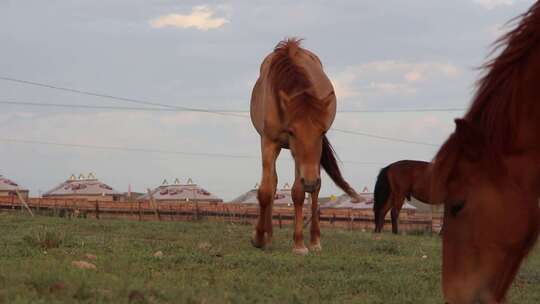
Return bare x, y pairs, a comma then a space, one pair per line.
300, 251
315, 247
256, 242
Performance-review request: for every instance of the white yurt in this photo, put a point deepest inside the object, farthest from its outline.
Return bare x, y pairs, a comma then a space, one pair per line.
178, 192
84, 187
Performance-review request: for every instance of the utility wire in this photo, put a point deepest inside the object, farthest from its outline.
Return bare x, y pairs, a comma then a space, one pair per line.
384, 137
84, 92
117, 148
125, 99
84, 106
146, 150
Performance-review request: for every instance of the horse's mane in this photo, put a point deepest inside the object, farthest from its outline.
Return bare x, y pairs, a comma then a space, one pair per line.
494, 110
285, 73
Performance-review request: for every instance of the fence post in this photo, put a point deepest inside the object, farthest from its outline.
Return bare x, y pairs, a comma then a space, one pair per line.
153, 204
140, 211
279, 217
23, 203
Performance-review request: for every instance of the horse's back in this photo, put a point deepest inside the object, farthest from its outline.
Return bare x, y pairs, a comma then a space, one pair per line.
264, 107
321, 84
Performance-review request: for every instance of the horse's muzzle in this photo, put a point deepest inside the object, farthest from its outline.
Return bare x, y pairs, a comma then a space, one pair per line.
311, 186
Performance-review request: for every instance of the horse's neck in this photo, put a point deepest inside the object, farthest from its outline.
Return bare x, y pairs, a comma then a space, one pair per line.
524, 169
526, 99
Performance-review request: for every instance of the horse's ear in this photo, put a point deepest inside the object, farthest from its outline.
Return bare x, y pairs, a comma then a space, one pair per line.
285, 100
470, 138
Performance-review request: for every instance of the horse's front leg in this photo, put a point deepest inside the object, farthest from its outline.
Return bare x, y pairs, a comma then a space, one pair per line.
298, 196
315, 242
265, 194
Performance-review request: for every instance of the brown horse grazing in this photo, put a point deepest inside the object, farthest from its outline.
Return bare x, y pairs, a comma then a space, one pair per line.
488, 173
292, 106
397, 182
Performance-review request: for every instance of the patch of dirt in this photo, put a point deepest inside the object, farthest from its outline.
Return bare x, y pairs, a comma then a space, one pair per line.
204, 245
83, 265
91, 257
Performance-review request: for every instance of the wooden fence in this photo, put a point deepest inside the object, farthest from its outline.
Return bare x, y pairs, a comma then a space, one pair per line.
240, 213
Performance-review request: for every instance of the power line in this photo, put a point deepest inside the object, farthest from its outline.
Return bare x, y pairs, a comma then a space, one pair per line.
127, 149
99, 107
124, 99
385, 137
146, 150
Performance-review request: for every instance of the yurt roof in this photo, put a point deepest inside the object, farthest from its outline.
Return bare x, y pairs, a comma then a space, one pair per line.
345, 201
9, 185
182, 192
82, 185
283, 197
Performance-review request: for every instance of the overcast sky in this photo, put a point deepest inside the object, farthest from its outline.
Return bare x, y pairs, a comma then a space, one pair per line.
380, 55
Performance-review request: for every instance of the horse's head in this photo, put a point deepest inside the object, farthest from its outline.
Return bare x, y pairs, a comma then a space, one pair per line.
306, 121
489, 223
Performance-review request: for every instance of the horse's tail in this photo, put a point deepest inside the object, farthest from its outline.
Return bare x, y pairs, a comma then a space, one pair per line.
330, 165
382, 190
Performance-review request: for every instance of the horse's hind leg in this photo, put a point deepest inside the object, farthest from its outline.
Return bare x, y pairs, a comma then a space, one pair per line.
396, 209
381, 215
265, 194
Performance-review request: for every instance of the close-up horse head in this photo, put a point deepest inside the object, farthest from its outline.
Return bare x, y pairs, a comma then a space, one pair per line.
490, 222
487, 173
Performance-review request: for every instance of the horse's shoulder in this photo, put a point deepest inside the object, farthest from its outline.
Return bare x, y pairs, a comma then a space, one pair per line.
313, 57
265, 65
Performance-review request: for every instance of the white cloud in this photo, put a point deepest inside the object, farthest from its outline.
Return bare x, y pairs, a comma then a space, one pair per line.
390, 77
491, 4
201, 17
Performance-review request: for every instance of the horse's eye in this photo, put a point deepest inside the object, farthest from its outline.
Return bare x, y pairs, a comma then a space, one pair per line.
291, 133
456, 207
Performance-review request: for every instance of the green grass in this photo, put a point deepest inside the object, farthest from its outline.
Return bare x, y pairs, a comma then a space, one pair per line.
213, 262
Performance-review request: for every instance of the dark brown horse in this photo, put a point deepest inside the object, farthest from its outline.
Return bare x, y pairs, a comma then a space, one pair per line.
397, 182
292, 106
488, 173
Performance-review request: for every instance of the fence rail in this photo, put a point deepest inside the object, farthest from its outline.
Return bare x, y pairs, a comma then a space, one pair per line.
240, 213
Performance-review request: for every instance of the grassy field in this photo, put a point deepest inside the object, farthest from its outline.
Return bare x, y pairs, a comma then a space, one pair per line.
212, 262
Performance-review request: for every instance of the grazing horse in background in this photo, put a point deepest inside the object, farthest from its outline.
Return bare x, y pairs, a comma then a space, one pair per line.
487, 173
293, 104
397, 182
